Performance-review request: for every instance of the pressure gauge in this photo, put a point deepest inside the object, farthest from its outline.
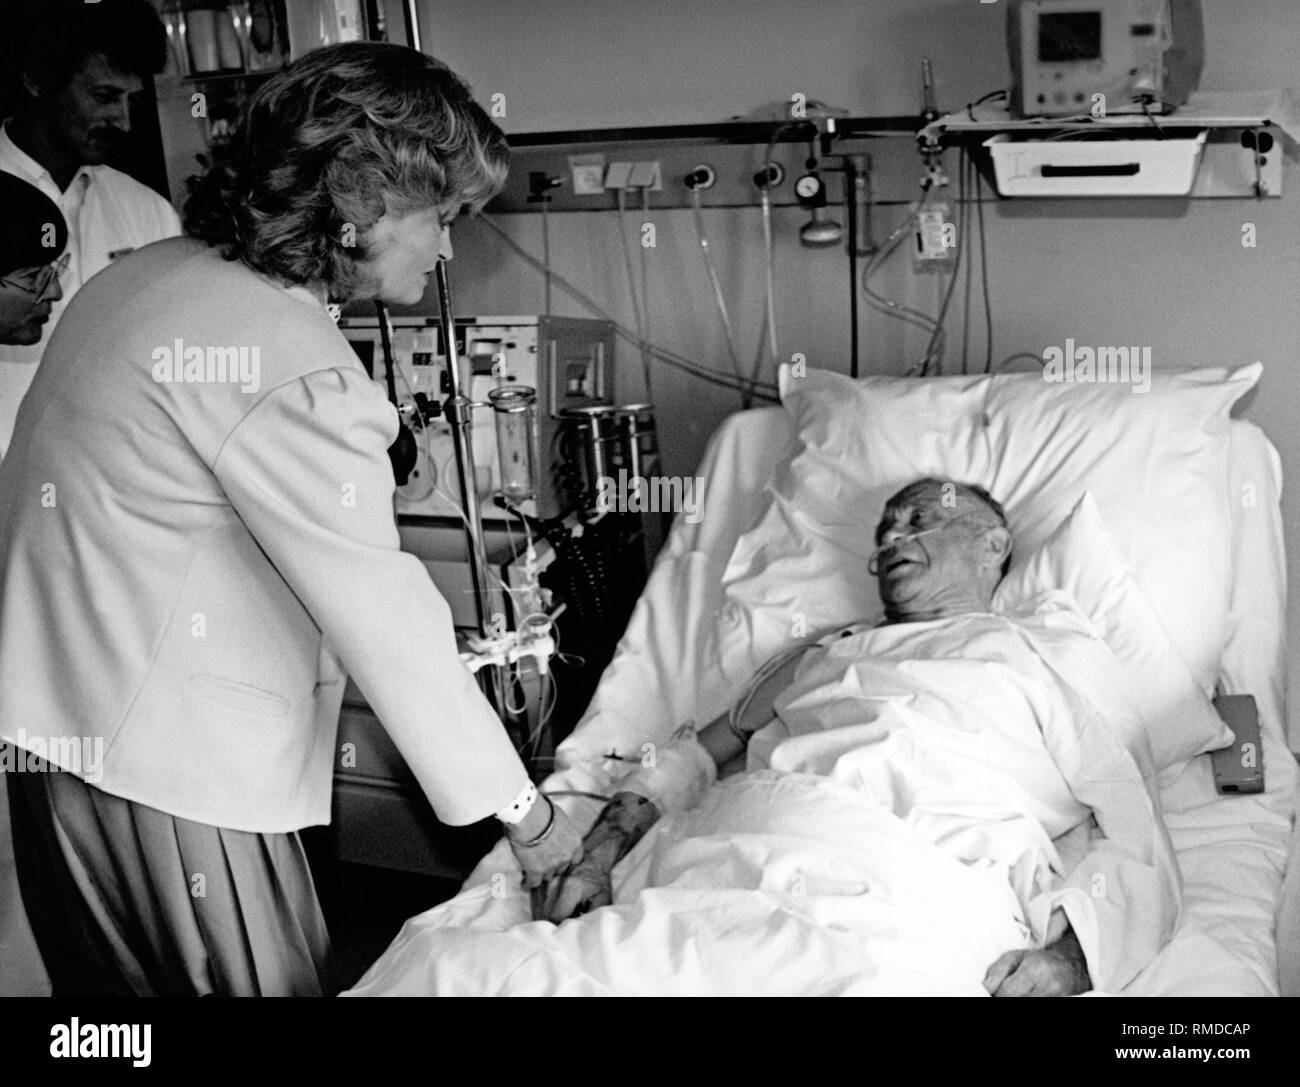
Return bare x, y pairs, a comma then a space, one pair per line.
810, 190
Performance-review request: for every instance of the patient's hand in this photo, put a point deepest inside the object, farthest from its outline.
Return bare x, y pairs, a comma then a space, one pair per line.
1058, 970
587, 885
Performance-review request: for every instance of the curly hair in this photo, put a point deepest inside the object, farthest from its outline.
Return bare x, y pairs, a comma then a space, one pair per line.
323, 149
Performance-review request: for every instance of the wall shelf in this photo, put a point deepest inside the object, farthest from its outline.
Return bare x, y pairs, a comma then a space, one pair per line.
1236, 124
751, 132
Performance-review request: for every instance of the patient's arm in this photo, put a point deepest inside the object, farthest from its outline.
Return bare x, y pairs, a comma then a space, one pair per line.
1056, 970
588, 883
718, 737
649, 791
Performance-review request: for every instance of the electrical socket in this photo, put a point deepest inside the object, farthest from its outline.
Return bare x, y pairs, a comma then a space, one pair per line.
634, 175
588, 173
617, 175
646, 175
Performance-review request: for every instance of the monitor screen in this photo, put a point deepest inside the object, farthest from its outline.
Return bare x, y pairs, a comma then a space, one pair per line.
1069, 35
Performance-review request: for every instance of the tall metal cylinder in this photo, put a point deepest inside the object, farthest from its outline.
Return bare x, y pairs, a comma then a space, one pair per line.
636, 425
514, 407
597, 431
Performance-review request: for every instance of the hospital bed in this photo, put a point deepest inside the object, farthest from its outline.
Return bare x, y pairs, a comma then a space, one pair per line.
706, 618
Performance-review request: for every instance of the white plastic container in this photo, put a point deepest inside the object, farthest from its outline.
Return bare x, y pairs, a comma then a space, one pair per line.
1105, 167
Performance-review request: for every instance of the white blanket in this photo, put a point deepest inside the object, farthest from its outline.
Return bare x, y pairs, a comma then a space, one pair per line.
893, 835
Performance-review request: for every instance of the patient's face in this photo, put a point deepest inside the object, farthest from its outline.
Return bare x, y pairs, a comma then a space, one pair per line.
938, 572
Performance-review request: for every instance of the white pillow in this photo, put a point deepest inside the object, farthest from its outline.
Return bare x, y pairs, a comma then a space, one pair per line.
1081, 558
1156, 463
1157, 466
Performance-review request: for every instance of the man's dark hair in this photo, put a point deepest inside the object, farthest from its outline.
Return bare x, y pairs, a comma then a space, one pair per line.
32, 229
50, 40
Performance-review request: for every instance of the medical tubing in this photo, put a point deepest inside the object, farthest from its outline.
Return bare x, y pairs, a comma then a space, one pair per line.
885, 305
545, 708
1019, 355
546, 255
770, 283
509, 591
766, 389
762, 344
422, 442
939, 339
967, 165
632, 291
851, 173
738, 709
984, 275
895, 309
645, 289
723, 312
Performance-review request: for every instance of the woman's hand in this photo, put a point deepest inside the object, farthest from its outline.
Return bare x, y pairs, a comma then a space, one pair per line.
558, 847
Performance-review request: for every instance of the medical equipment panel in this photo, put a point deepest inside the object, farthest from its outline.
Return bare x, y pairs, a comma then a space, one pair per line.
567, 362
1071, 57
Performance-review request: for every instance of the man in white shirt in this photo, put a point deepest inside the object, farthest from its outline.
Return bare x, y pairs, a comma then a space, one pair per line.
79, 67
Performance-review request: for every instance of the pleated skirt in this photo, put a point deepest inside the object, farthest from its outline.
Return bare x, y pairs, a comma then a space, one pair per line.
128, 900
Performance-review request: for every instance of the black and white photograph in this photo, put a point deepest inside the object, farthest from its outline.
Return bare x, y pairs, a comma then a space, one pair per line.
660, 499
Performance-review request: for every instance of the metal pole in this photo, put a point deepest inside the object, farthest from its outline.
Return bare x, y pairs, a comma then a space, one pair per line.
458, 409
412, 24
851, 210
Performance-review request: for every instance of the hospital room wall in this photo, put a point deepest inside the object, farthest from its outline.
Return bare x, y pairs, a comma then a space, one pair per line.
1169, 274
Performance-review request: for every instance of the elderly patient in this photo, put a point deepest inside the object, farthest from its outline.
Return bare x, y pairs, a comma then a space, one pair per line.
940, 803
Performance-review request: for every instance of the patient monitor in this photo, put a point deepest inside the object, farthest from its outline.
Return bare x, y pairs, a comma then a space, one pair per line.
1141, 55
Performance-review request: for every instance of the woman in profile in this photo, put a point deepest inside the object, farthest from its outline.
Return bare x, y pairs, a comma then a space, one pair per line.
199, 547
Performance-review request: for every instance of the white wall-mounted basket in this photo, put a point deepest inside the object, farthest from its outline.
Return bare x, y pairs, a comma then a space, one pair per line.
1095, 167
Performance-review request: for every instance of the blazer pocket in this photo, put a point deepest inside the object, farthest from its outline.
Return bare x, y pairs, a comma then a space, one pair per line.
240, 696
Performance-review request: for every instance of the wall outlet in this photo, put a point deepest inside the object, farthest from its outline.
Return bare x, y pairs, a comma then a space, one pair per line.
617, 175
588, 173
646, 175
634, 175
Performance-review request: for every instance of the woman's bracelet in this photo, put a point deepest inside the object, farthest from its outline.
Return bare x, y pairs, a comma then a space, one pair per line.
546, 831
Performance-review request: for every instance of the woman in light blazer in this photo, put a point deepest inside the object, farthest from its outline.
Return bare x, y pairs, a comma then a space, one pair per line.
198, 546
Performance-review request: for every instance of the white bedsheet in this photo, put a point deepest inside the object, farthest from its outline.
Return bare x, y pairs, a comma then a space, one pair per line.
1231, 850
894, 836
758, 890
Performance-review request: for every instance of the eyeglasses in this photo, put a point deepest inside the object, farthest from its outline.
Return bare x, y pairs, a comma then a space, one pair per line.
45, 278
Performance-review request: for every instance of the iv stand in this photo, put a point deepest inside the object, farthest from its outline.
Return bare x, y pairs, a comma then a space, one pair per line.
457, 410
493, 652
